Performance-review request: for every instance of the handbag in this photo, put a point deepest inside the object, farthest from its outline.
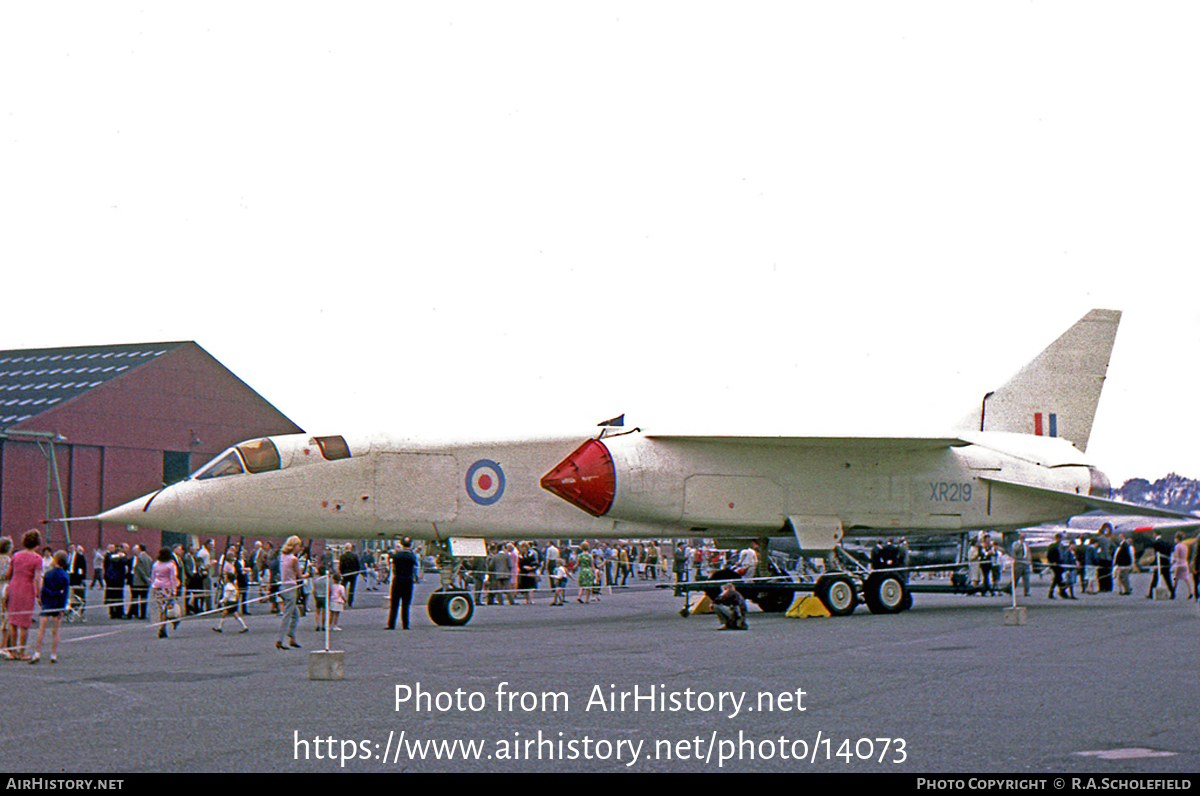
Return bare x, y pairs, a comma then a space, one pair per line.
174, 611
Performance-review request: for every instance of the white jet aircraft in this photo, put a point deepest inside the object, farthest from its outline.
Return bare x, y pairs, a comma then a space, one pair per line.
1016, 460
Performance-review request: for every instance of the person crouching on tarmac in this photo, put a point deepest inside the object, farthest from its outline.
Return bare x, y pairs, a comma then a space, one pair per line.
731, 608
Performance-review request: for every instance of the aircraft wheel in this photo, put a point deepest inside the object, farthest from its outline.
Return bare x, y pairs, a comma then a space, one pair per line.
884, 594
437, 608
451, 608
837, 594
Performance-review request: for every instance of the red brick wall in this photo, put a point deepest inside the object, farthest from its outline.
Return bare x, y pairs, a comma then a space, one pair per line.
23, 503
86, 496
115, 436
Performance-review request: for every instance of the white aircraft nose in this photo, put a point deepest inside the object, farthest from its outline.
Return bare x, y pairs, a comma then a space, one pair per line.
146, 511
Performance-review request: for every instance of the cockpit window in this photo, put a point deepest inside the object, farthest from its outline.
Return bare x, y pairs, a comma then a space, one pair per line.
229, 464
261, 456
333, 448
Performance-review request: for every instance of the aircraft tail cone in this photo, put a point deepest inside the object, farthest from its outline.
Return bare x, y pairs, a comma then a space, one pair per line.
586, 479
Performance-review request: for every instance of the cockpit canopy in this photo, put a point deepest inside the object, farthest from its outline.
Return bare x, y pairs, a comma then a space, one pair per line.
263, 456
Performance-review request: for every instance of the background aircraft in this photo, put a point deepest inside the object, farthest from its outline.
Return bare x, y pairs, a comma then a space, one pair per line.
1140, 530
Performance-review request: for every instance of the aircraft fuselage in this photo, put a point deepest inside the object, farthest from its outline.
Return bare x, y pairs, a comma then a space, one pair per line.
661, 487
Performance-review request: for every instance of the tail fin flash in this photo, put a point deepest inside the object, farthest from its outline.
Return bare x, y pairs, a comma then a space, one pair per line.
1056, 394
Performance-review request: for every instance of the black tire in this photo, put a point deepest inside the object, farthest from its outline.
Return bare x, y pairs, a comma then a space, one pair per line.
837, 594
437, 608
451, 608
884, 593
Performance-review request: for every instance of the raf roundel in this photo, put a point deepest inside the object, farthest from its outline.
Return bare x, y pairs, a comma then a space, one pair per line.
485, 482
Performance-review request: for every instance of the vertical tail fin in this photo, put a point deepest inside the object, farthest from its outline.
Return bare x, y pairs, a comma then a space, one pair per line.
1056, 394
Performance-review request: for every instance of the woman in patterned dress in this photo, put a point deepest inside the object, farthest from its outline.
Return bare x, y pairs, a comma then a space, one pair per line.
5, 549
164, 585
587, 575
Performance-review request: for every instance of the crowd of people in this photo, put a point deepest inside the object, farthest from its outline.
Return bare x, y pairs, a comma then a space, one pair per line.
176, 582
516, 571
26, 581
184, 580
1087, 564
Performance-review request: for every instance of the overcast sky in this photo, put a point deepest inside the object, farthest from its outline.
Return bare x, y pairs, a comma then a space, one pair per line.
504, 218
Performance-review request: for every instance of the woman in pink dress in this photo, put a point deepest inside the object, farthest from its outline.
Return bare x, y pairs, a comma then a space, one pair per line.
164, 585
25, 575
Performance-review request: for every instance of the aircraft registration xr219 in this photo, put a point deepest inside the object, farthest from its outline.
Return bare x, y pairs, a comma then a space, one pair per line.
1017, 459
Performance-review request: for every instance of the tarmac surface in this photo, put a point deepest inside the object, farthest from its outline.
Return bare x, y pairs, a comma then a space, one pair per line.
1102, 685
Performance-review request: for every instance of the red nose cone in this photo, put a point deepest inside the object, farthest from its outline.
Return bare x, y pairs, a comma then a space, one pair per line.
585, 479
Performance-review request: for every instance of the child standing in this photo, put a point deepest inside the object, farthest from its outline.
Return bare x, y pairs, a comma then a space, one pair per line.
229, 599
337, 600
558, 579
54, 605
320, 587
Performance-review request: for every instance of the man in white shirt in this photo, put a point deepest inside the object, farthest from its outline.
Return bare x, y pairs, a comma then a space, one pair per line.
747, 564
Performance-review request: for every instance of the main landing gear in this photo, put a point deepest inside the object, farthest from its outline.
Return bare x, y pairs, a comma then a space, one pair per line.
451, 605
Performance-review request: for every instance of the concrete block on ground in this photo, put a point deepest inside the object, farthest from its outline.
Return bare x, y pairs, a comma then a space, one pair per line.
327, 665
1016, 616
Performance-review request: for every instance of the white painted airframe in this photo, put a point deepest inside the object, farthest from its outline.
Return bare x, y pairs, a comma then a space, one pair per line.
1016, 460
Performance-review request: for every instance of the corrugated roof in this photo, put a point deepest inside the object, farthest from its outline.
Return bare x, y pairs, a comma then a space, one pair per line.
36, 379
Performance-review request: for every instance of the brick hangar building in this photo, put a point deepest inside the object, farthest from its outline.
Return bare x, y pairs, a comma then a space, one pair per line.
87, 428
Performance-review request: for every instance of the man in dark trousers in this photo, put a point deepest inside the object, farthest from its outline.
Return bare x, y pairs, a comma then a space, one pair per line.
1162, 564
77, 573
349, 566
1104, 557
116, 575
404, 572
1054, 559
139, 580
1194, 562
